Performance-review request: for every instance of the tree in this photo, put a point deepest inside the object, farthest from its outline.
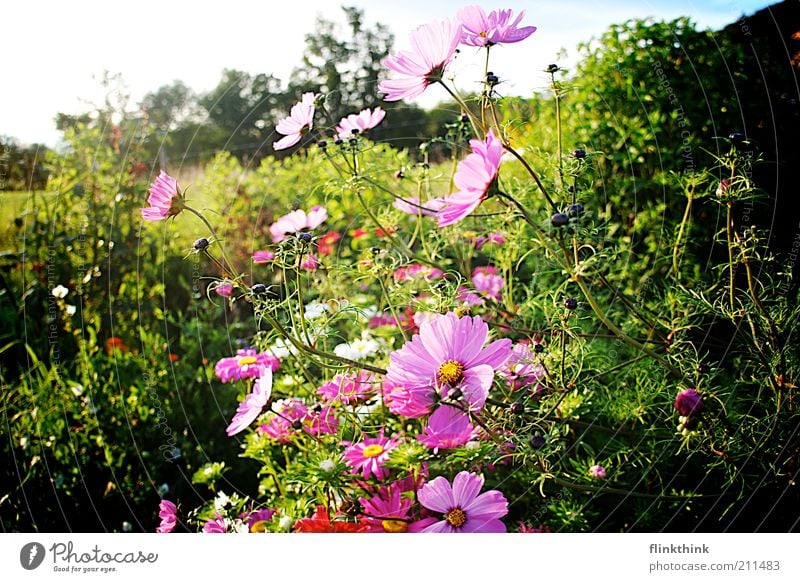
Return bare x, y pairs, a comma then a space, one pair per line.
347, 71
245, 107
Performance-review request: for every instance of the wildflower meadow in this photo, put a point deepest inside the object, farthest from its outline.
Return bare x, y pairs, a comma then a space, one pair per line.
570, 312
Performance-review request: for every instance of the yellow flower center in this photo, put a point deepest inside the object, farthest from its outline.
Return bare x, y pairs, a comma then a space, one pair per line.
484, 34
450, 373
456, 517
259, 526
394, 526
247, 361
371, 451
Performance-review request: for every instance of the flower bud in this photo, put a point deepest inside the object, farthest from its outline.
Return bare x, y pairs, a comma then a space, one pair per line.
201, 244
559, 219
574, 210
597, 472
688, 402
571, 303
579, 154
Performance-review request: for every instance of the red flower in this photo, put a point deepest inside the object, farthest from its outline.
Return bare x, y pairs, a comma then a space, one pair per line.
358, 233
326, 242
115, 343
321, 523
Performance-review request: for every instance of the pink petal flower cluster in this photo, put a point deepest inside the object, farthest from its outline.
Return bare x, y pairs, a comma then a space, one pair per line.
522, 370
481, 29
597, 472
224, 290
165, 199
448, 428
464, 509
432, 48
257, 520
469, 297
299, 122
262, 257
491, 238
310, 262
254, 403
487, 281
362, 121
289, 412
246, 364
448, 356
168, 513
474, 177
415, 272
348, 388
368, 456
388, 511
297, 221
293, 415
216, 525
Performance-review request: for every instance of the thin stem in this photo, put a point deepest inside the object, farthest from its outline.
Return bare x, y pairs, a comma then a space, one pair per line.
622, 335
731, 272
231, 270
529, 169
676, 247
310, 350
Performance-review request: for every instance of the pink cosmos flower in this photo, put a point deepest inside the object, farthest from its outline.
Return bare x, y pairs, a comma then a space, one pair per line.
288, 413
389, 512
225, 290
292, 416
488, 282
168, 513
257, 520
448, 428
491, 238
299, 122
321, 420
297, 221
447, 357
349, 388
165, 199
368, 456
463, 509
253, 403
597, 472
261, 257
310, 262
364, 120
469, 297
433, 46
416, 272
217, 525
413, 206
522, 370
474, 177
497, 27
246, 364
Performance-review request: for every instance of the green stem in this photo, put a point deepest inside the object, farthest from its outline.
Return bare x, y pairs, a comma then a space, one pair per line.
677, 246
231, 270
310, 350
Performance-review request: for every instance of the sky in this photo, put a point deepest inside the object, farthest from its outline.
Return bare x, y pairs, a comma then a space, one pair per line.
56, 51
